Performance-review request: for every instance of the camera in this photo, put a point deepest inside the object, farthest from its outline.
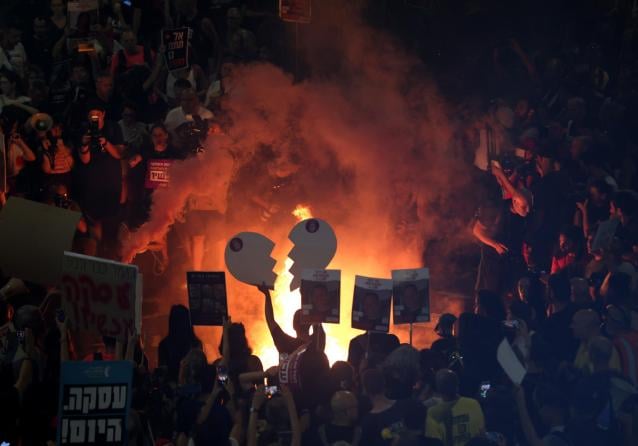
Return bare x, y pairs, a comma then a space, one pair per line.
194, 132
62, 201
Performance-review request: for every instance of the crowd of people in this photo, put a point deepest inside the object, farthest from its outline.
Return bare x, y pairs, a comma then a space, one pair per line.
554, 175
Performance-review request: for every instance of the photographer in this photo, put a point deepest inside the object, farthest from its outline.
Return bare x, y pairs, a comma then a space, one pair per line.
19, 155
188, 123
100, 175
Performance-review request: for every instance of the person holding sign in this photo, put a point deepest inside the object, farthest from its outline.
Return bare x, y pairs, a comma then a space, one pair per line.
284, 342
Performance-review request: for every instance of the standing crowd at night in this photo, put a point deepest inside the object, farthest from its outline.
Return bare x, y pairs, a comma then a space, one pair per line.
553, 163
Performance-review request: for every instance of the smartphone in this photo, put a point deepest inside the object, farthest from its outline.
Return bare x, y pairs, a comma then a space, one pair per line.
20, 336
271, 391
127, 2
222, 374
60, 316
511, 324
484, 389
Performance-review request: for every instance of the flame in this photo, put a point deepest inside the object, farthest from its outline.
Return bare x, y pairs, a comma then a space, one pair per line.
302, 212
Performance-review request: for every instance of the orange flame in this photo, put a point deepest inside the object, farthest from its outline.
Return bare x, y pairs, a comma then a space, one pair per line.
302, 212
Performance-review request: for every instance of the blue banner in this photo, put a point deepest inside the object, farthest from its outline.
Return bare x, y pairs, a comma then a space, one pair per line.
95, 398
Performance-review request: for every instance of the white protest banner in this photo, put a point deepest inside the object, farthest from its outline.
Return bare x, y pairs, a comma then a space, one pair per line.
315, 244
510, 363
100, 296
320, 295
371, 304
248, 259
411, 295
33, 237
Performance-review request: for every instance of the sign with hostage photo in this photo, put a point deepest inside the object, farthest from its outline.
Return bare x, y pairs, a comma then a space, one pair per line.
371, 304
411, 291
95, 398
207, 297
320, 295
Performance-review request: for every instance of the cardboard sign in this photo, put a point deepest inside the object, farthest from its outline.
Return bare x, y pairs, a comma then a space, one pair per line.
33, 237
371, 304
248, 259
510, 363
411, 295
207, 297
320, 295
100, 295
299, 11
605, 234
176, 42
94, 403
315, 246
157, 173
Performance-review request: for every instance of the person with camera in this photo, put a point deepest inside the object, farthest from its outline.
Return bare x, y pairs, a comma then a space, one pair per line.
18, 156
100, 176
188, 123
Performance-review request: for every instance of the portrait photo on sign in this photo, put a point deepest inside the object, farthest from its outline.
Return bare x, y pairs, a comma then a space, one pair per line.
320, 295
371, 304
411, 295
207, 297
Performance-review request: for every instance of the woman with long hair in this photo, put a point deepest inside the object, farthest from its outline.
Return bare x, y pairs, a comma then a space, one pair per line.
180, 340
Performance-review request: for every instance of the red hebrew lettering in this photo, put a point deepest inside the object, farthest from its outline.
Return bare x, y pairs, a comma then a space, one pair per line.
71, 288
104, 293
123, 296
101, 323
88, 287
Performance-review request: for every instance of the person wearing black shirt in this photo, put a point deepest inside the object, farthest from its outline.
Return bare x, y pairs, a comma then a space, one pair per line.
100, 174
500, 226
283, 341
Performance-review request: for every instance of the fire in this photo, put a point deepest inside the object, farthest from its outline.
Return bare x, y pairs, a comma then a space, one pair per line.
285, 304
302, 212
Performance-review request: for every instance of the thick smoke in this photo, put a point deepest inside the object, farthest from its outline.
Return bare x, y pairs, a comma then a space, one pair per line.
370, 144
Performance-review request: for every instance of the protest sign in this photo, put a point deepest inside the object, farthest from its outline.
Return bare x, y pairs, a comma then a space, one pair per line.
510, 363
605, 234
248, 259
411, 295
94, 402
299, 11
371, 304
99, 295
320, 295
34, 237
157, 173
315, 244
207, 297
176, 43
83, 15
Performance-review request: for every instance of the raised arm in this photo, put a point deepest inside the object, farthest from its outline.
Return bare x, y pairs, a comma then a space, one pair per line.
526, 421
273, 326
295, 425
480, 232
258, 401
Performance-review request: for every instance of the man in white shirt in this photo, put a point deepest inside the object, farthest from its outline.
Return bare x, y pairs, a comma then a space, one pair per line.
188, 111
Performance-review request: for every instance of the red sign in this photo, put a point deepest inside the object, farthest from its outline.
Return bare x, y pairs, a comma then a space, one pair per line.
299, 11
157, 173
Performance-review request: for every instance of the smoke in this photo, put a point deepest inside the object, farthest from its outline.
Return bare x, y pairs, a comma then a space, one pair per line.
369, 146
